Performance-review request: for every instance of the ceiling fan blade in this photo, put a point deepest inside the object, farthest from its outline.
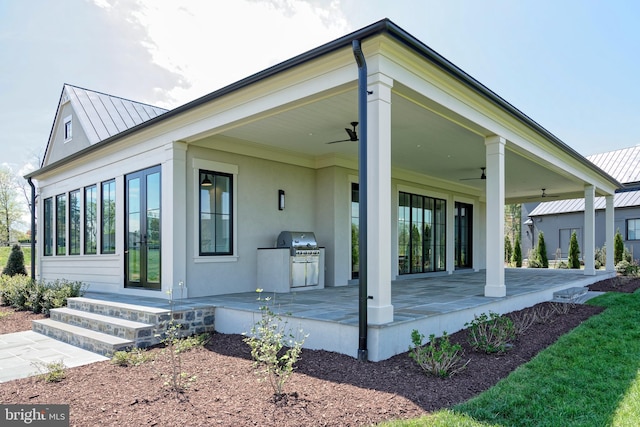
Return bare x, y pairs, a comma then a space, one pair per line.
482, 176
335, 142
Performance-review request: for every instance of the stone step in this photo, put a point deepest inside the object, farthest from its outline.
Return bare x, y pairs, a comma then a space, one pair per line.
570, 294
135, 313
96, 342
142, 334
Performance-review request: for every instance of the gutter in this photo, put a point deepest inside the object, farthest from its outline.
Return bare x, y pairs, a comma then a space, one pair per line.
363, 353
33, 229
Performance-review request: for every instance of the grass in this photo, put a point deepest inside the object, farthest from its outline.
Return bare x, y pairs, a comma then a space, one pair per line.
589, 377
4, 256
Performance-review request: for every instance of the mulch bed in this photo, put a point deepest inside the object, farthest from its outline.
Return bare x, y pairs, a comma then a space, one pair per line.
327, 389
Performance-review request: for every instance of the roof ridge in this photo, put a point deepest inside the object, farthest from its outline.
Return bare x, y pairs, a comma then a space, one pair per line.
115, 96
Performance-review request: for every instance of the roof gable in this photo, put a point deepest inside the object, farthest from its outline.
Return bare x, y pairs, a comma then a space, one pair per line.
95, 116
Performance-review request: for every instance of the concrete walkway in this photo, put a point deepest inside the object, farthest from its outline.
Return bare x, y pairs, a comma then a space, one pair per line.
20, 350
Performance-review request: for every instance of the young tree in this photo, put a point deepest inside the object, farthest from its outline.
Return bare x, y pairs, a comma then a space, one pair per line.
508, 249
618, 248
10, 208
517, 252
542, 251
15, 263
574, 251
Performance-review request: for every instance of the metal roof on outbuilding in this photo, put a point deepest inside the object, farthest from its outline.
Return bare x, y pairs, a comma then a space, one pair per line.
623, 164
620, 200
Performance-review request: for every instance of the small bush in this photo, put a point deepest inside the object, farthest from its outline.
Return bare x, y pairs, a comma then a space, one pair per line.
438, 357
15, 263
22, 293
134, 357
517, 252
185, 344
52, 372
618, 247
627, 268
491, 333
574, 251
541, 251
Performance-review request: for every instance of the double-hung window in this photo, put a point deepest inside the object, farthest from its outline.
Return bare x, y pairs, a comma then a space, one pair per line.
633, 229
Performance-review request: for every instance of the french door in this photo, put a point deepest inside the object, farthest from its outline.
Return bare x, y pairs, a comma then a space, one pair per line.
463, 230
142, 228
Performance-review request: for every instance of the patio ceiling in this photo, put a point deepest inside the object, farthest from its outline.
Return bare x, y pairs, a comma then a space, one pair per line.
426, 139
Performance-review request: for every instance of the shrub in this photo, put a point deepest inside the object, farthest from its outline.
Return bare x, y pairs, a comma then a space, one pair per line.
618, 247
438, 357
517, 252
491, 333
574, 251
532, 259
508, 249
274, 347
601, 257
22, 293
134, 357
52, 372
627, 268
541, 251
15, 263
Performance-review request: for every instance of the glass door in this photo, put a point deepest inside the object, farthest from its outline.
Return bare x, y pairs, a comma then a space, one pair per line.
463, 232
142, 228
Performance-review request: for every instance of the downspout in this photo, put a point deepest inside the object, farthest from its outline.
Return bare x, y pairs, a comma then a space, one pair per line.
33, 229
363, 355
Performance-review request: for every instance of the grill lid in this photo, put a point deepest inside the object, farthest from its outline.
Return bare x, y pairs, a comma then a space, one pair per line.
298, 240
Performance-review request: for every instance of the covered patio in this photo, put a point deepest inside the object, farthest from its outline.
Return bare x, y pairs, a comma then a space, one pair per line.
430, 304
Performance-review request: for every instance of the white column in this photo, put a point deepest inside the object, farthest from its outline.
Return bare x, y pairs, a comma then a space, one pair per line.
379, 244
174, 220
589, 230
610, 232
495, 285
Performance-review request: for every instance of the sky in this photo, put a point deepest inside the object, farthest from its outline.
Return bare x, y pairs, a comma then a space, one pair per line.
571, 65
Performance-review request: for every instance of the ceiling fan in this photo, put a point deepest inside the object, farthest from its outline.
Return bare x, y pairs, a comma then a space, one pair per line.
543, 195
353, 136
482, 176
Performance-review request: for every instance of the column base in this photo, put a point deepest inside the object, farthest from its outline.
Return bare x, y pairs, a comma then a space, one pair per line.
379, 315
495, 291
589, 271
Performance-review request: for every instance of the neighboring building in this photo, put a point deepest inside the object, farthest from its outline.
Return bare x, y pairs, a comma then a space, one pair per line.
134, 200
558, 219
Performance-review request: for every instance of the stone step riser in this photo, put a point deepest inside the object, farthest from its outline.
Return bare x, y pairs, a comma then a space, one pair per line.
142, 335
135, 315
96, 346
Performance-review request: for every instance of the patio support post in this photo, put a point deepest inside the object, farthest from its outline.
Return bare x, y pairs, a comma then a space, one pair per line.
589, 230
495, 285
379, 245
610, 232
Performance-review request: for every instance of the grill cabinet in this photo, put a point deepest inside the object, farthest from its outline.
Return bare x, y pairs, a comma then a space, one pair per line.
304, 257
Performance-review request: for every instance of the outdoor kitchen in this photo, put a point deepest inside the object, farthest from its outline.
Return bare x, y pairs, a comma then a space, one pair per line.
295, 263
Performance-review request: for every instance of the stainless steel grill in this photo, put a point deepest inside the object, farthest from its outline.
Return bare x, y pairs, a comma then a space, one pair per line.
304, 257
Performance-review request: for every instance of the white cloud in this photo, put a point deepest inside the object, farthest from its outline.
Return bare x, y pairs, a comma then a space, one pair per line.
215, 43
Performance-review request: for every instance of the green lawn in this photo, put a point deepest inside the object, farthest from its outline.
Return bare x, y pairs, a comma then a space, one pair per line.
589, 377
4, 256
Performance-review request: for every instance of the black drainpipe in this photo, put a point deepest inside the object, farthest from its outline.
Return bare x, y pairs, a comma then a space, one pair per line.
33, 229
363, 353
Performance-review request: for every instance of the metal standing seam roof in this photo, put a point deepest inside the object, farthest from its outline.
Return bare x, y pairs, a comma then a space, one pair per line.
620, 200
622, 164
103, 116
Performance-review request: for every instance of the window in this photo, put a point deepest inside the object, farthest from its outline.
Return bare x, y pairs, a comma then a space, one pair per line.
48, 226
108, 233
74, 222
90, 220
355, 230
421, 234
633, 229
216, 215
67, 129
61, 223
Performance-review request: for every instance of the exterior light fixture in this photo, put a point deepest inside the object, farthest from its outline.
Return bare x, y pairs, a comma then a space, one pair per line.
280, 200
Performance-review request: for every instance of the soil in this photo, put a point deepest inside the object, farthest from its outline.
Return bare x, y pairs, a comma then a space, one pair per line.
326, 389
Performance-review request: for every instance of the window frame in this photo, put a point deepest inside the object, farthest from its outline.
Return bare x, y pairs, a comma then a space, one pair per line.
108, 246
60, 225
75, 232
49, 227
222, 168
636, 229
214, 175
67, 129
90, 217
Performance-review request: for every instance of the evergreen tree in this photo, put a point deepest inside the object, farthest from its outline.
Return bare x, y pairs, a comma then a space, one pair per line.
542, 251
574, 251
517, 252
618, 248
15, 263
508, 250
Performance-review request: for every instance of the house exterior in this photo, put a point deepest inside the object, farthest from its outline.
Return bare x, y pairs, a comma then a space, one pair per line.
558, 219
141, 201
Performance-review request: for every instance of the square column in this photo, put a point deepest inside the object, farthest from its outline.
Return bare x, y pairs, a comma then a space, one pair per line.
379, 308
609, 214
495, 285
589, 249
